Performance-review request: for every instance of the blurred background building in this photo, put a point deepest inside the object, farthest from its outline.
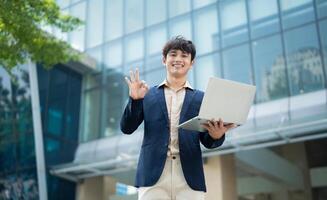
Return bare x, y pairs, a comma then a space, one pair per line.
278, 45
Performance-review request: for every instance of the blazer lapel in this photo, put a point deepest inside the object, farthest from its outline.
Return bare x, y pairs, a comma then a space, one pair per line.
187, 101
160, 95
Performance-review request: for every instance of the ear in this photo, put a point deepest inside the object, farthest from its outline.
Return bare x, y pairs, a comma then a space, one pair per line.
163, 60
193, 61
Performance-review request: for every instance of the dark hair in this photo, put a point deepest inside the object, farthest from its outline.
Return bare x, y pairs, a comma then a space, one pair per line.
179, 43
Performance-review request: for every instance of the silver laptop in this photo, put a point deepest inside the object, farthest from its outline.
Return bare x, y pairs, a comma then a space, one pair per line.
229, 100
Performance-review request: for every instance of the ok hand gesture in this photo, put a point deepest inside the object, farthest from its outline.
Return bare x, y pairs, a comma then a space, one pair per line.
137, 88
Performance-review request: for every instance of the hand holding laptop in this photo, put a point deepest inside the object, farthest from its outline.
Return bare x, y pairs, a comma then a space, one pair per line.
223, 99
217, 129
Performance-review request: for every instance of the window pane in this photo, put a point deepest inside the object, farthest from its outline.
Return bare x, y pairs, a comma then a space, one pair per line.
113, 55
155, 11
156, 39
95, 23
269, 67
201, 3
96, 53
296, 12
264, 17
179, 7
91, 115
206, 67
134, 47
114, 19
321, 8
62, 3
134, 15
237, 64
181, 26
323, 32
77, 37
155, 77
133, 65
154, 62
234, 26
206, 34
115, 99
304, 60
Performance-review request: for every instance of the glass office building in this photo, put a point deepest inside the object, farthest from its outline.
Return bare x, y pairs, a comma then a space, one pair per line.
278, 45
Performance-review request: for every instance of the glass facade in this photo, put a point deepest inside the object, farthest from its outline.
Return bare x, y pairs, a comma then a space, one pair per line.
18, 178
59, 92
278, 45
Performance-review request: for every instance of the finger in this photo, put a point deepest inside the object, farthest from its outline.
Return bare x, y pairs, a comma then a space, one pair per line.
221, 123
216, 124
127, 81
206, 126
142, 83
146, 86
230, 126
137, 75
132, 76
211, 125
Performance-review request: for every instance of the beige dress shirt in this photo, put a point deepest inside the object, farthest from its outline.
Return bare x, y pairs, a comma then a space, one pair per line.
174, 103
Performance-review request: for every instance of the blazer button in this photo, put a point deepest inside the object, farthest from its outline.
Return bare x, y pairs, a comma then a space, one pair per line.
174, 157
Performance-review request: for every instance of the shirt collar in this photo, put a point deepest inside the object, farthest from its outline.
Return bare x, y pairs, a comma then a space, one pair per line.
165, 83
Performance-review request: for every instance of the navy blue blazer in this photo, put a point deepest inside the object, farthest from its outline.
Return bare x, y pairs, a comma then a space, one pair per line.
152, 109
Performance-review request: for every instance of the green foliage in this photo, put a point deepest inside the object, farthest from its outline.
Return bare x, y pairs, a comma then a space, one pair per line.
22, 38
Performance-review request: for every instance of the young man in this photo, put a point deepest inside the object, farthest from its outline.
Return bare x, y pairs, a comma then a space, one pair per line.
170, 163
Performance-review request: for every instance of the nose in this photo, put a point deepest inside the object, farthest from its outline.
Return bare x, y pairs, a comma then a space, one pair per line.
178, 58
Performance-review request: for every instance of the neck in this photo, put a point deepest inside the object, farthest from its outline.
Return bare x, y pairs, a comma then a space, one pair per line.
176, 82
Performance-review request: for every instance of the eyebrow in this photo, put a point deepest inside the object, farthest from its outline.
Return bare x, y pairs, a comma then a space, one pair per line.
175, 51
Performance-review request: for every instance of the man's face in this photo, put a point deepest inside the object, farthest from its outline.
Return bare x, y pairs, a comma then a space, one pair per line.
177, 63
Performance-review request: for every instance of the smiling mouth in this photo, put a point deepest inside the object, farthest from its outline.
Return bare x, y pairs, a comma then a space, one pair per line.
178, 65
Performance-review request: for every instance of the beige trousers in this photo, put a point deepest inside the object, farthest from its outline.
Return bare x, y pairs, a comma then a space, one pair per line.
171, 185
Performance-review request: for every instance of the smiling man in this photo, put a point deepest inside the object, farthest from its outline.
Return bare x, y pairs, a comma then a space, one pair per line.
170, 163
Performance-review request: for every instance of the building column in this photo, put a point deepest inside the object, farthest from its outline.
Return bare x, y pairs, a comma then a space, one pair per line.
220, 174
296, 153
38, 135
100, 188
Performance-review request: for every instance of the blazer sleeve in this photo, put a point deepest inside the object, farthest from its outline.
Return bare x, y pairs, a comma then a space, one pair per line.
132, 116
209, 142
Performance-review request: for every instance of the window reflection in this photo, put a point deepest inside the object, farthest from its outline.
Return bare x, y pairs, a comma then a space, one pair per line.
269, 66
323, 33
304, 60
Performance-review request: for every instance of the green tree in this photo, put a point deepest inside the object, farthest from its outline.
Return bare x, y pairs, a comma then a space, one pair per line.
22, 38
